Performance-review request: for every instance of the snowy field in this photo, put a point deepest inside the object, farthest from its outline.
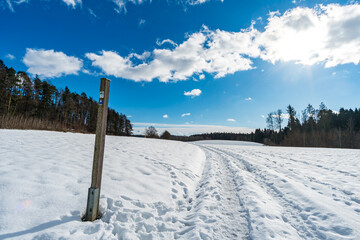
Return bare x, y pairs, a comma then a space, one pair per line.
157, 189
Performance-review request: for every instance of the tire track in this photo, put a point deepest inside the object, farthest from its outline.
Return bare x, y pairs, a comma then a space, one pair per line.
300, 213
216, 210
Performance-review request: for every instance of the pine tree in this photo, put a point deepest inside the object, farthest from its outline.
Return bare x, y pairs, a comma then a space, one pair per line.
165, 135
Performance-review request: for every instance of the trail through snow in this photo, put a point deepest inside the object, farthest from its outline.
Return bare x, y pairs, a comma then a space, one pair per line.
296, 194
217, 210
156, 189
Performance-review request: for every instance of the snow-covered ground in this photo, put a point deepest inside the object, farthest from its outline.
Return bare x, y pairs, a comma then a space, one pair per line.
157, 189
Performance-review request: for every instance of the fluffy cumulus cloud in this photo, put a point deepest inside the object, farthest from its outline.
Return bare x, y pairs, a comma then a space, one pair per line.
322, 35
193, 93
216, 52
48, 63
325, 34
165, 116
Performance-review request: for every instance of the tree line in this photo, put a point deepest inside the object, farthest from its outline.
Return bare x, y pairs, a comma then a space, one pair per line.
312, 127
27, 103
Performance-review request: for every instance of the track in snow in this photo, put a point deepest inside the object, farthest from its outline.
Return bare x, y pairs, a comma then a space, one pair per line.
216, 196
287, 195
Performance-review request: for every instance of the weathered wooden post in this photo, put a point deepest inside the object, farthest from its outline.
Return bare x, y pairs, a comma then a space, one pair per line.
92, 209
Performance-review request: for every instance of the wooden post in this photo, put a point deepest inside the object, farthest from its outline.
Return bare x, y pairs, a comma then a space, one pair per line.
92, 209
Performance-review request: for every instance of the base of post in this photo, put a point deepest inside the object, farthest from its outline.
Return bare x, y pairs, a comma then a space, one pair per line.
92, 209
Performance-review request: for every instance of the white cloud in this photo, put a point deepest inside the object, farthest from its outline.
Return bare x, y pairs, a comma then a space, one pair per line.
188, 129
216, 52
297, 1
324, 34
231, 120
10, 3
248, 99
263, 116
185, 114
10, 56
321, 35
165, 116
195, 2
121, 4
72, 3
48, 63
142, 22
193, 93
92, 13
141, 57
166, 41
283, 116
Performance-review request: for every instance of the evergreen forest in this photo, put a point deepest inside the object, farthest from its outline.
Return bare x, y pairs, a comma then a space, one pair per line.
27, 103
311, 127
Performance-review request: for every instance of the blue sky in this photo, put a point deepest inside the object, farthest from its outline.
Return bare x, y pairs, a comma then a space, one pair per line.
227, 63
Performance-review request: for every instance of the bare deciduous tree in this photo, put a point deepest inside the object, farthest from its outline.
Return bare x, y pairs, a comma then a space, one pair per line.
151, 132
270, 120
278, 119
